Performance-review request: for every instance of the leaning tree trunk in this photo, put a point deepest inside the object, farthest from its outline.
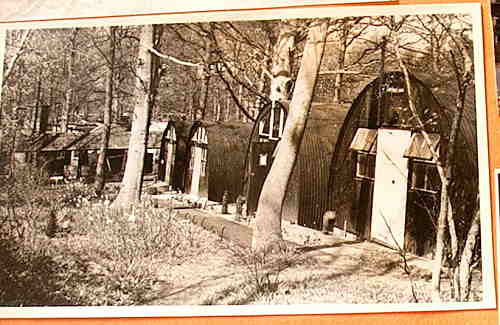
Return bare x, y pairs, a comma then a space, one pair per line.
108, 107
130, 191
267, 231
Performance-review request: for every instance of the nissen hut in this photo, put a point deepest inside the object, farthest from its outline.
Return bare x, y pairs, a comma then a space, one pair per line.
215, 160
308, 195
383, 176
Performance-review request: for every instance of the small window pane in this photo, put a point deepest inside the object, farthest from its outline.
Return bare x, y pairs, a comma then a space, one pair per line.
425, 177
365, 166
263, 160
276, 122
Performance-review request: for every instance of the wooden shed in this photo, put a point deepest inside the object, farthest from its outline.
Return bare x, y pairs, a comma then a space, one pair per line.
74, 154
87, 148
383, 177
215, 160
308, 196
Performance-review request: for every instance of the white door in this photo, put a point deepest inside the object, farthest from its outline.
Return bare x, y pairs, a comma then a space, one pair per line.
195, 179
169, 164
390, 188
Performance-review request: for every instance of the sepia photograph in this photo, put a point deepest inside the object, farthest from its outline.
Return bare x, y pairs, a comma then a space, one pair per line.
278, 162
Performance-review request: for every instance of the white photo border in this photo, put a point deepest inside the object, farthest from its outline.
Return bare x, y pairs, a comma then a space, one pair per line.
61, 9
489, 298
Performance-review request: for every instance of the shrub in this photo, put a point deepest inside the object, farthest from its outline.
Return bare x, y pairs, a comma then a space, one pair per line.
263, 268
122, 253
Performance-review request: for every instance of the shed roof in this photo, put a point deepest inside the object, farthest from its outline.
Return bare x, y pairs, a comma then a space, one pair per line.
119, 137
419, 147
365, 140
33, 143
60, 142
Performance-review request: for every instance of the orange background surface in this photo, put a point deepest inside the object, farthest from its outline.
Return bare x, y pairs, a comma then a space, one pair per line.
448, 317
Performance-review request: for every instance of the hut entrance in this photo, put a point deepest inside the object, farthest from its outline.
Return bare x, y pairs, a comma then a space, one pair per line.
270, 122
384, 179
261, 154
197, 172
390, 188
168, 156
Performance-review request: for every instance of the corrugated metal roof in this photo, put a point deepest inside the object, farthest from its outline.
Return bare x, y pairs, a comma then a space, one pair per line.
313, 161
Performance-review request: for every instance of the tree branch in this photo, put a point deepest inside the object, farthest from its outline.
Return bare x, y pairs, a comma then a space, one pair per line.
173, 59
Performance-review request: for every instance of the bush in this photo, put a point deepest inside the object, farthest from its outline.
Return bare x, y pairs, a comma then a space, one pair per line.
122, 254
263, 268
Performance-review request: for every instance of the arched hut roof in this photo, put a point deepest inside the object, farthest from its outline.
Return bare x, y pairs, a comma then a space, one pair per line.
227, 143
441, 100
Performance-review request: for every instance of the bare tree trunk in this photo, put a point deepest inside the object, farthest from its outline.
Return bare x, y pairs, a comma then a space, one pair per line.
132, 179
228, 112
17, 54
340, 65
267, 231
108, 107
35, 129
68, 95
206, 73
445, 216
282, 63
464, 268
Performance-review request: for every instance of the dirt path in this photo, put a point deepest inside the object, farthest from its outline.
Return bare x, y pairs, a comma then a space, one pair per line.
197, 279
331, 269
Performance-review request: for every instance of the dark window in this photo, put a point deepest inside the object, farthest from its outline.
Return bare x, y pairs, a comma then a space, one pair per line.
148, 163
203, 161
277, 122
365, 166
425, 177
271, 126
397, 113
